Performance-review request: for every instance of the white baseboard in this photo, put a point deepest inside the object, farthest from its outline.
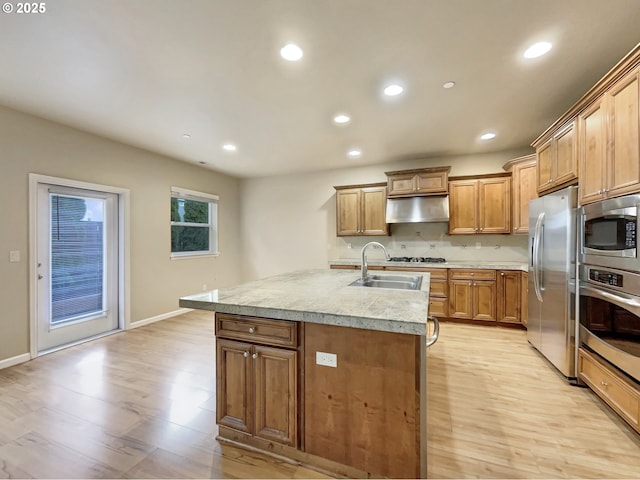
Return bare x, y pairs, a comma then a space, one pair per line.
10, 362
157, 318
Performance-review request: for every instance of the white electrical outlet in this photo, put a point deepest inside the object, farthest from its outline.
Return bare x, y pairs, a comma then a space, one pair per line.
327, 359
204, 287
478, 245
349, 245
14, 256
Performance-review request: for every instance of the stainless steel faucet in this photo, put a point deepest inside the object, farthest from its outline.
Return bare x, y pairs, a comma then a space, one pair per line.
364, 257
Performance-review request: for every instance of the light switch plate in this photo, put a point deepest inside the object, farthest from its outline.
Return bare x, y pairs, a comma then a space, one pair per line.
327, 359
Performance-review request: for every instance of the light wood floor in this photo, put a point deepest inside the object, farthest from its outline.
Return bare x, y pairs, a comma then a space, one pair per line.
141, 404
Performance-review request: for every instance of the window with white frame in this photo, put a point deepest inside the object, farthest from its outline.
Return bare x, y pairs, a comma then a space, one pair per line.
194, 223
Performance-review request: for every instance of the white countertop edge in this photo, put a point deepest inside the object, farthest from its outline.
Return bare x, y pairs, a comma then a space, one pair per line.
383, 325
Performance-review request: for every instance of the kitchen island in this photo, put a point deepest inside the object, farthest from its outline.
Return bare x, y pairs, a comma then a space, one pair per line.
323, 373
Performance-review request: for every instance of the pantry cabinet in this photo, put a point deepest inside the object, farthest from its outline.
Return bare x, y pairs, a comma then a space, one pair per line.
418, 182
557, 160
609, 142
256, 377
361, 210
472, 294
480, 205
524, 190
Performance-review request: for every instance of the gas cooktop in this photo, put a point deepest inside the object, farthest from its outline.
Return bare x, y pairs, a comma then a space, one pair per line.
418, 259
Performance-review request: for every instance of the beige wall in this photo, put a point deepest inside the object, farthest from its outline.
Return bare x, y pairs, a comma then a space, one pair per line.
32, 145
288, 222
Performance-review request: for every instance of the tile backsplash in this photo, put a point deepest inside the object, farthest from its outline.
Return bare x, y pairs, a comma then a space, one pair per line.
432, 240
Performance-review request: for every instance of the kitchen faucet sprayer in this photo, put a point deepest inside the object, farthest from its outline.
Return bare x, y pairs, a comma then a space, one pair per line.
364, 257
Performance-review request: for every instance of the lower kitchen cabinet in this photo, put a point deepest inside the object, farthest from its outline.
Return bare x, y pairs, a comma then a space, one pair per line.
611, 385
472, 294
256, 384
509, 296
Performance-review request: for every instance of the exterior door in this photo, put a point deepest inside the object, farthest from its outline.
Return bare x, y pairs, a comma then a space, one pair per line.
77, 265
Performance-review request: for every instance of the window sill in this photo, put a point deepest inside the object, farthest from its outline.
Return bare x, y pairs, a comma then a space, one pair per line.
200, 255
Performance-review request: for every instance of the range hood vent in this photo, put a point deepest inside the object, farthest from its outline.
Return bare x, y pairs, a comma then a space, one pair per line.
418, 209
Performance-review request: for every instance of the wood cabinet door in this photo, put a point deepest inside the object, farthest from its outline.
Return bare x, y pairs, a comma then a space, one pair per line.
234, 402
439, 306
401, 184
460, 299
494, 205
276, 388
592, 152
566, 157
524, 302
544, 165
374, 211
623, 169
484, 300
432, 183
348, 212
463, 208
509, 296
524, 190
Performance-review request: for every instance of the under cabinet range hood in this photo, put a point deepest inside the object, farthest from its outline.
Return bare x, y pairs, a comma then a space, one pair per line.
418, 209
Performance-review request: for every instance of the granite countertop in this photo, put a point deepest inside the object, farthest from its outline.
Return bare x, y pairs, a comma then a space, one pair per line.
475, 264
323, 296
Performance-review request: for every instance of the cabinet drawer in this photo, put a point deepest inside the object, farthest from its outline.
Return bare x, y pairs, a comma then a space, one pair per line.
439, 307
463, 274
438, 288
611, 386
257, 330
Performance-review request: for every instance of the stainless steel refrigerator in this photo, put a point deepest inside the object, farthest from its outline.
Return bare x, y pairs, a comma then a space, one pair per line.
552, 278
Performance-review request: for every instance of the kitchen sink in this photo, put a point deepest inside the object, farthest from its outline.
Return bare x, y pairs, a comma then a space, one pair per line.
399, 282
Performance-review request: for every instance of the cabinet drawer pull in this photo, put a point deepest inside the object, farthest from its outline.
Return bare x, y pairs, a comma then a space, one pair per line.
245, 354
252, 330
603, 383
254, 356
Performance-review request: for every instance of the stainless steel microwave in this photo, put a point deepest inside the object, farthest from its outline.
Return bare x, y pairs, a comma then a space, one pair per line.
608, 233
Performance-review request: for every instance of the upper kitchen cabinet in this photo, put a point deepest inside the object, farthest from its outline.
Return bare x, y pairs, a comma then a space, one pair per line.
361, 210
557, 164
606, 125
609, 142
480, 205
523, 170
423, 181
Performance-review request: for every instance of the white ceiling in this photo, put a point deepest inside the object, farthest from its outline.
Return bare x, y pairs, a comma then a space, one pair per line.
145, 72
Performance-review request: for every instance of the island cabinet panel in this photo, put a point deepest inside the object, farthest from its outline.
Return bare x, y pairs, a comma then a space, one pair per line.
365, 411
257, 380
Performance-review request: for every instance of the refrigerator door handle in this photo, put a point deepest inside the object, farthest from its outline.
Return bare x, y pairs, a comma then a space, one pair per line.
537, 254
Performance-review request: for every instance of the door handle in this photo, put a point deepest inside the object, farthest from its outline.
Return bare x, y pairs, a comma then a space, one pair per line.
436, 331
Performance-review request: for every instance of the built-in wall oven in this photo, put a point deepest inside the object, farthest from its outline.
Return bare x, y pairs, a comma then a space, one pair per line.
609, 282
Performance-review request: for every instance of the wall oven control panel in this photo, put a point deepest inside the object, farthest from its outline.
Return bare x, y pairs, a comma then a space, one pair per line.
606, 277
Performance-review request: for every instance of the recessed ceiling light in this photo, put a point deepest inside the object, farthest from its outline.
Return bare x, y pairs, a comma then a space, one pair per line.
393, 90
342, 118
186, 135
354, 153
537, 50
448, 84
291, 52
229, 147
487, 136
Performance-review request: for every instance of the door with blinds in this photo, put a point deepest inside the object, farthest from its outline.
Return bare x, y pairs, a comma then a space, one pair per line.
77, 265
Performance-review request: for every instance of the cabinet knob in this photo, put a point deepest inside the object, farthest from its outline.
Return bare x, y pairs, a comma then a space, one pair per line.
472, 274
252, 330
245, 354
603, 383
254, 356
502, 274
